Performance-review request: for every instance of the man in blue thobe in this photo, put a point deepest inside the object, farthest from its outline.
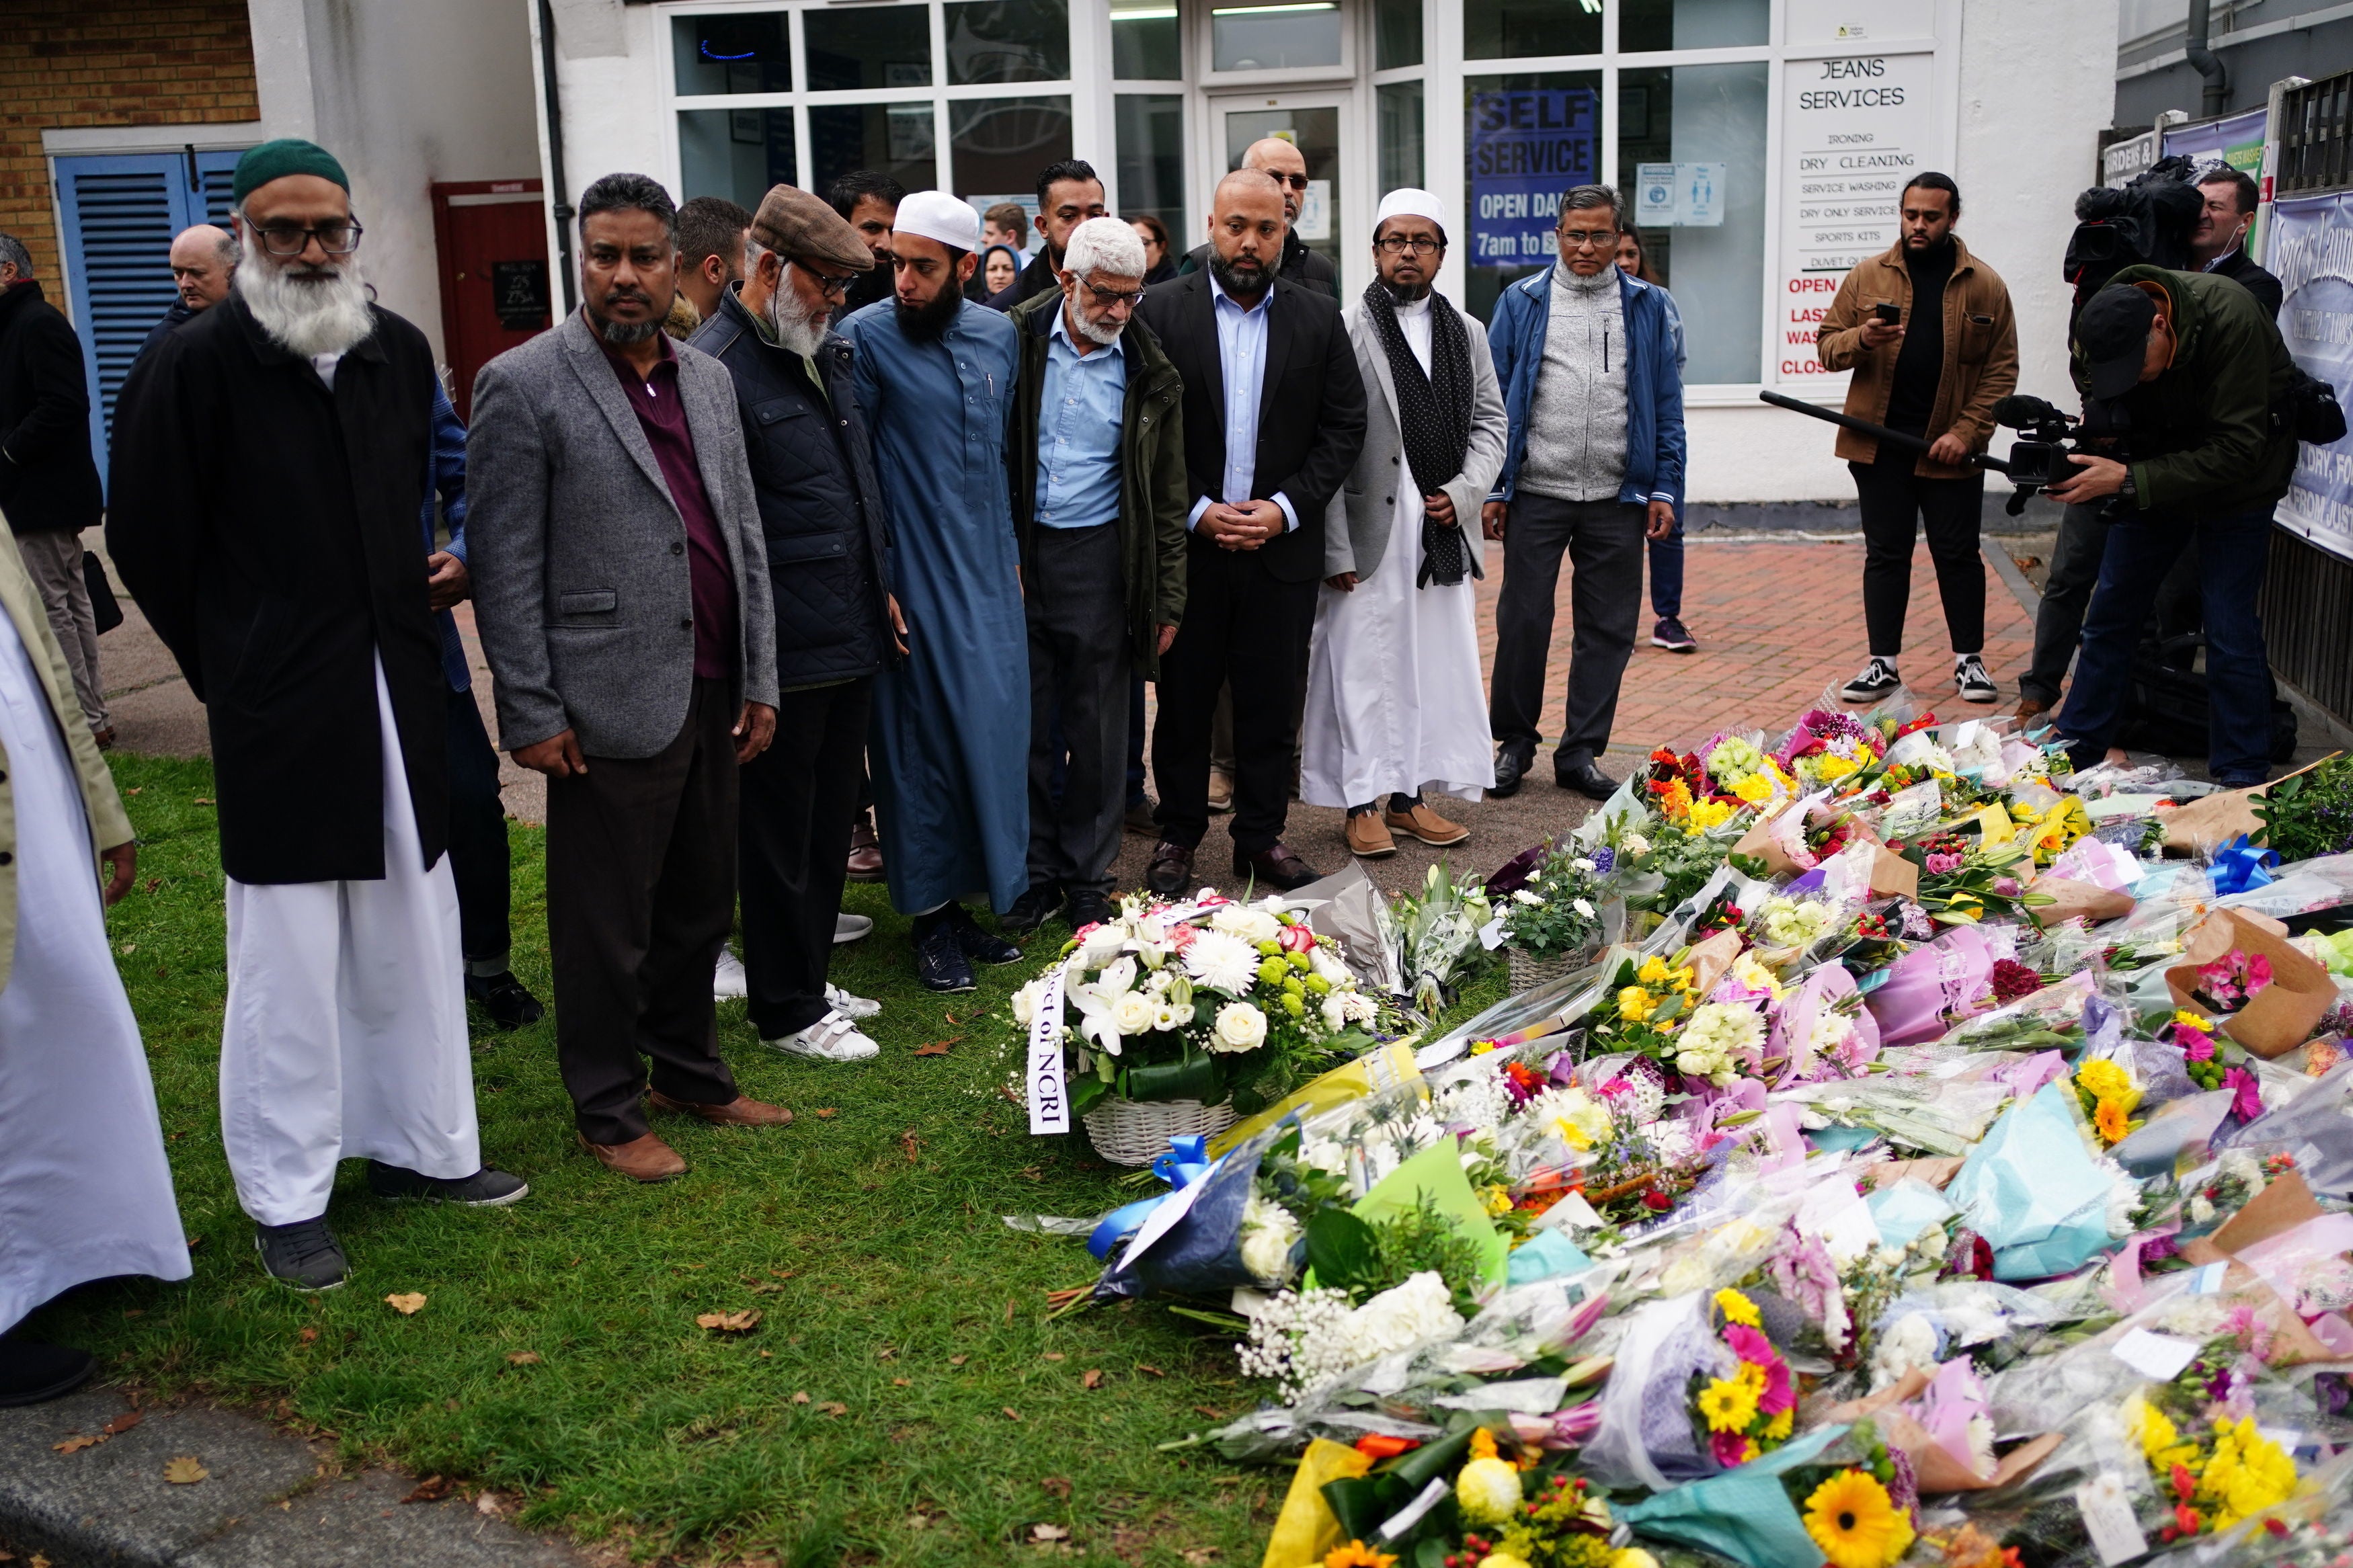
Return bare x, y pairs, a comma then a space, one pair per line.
950, 739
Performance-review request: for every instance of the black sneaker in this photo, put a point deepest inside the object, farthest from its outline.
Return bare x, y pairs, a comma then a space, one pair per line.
980, 946
304, 1255
940, 964
504, 998
1975, 684
1087, 907
1032, 910
1877, 679
1669, 634
485, 1189
31, 1371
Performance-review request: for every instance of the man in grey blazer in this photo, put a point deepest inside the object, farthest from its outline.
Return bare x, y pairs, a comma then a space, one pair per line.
1394, 698
620, 586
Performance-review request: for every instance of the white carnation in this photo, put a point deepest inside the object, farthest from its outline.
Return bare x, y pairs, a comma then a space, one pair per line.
1223, 962
1268, 1232
1909, 1342
1239, 1027
1335, 1012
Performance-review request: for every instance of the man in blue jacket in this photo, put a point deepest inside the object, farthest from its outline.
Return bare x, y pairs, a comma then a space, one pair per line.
1595, 457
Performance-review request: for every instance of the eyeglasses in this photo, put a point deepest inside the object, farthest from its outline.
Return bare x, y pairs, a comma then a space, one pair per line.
1599, 238
1107, 297
828, 284
1397, 245
1296, 182
287, 239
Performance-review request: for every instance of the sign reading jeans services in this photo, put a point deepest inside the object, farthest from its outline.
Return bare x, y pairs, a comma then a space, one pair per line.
1526, 149
1854, 131
2312, 253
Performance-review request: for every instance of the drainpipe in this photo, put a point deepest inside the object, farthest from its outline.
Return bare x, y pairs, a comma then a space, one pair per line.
2193, 46
557, 192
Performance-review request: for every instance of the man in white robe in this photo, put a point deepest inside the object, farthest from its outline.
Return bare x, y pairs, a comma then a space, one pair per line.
85, 1193
1395, 704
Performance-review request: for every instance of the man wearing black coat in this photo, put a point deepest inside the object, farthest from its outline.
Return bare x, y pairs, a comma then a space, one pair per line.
2219, 243
1275, 416
1288, 166
821, 517
273, 456
49, 483
1069, 194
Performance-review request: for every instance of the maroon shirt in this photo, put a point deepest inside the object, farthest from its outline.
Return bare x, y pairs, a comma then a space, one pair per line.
711, 579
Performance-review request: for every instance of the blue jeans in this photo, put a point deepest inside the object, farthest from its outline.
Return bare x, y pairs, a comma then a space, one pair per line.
2140, 551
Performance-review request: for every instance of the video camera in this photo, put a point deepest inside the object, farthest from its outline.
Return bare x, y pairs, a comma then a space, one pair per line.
2037, 460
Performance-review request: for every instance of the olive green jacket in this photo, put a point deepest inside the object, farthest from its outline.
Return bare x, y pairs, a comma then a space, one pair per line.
109, 826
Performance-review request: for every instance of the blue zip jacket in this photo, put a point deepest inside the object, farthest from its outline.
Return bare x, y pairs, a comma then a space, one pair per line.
445, 473
1654, 383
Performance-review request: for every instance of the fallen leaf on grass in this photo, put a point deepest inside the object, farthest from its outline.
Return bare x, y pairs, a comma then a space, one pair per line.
523, 1358
134, 789
129, 947
1010, 1097
75, 1445
741, 1322
408, 1303
833, 1408
801, 1396
1032, 1171
490, 1504
911, 1143
184, 1470
1049, 1533
886, 1353
1058, 1484
1053, 1355
307, 1335
200, 800
958, 1360
123, 1423
432, 1488
938, 1048
153, 882
1212, 1411
823, 1113
902, 1382
1092, 1378
787, 1273
1150, 1370
1009, 1310
1011, 1414
1199, 1555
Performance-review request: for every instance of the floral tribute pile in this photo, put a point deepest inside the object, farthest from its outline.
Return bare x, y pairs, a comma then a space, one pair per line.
1942, 1161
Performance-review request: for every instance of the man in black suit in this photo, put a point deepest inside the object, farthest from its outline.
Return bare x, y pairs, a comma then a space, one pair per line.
1287, 166
1274, 416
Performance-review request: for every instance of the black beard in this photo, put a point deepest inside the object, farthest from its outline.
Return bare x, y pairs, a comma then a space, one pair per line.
1234, 282
1407, 293
925, 324
622, 334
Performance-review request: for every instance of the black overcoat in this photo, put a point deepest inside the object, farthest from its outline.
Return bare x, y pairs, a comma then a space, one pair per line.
48, 482
267, 529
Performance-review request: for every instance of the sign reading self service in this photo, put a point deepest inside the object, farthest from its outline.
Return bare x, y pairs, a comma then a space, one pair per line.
1526, 149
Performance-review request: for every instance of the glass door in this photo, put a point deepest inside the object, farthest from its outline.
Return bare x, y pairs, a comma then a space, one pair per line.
1318, 124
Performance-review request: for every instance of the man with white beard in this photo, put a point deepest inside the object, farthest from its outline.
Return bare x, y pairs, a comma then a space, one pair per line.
821, 515
270, 460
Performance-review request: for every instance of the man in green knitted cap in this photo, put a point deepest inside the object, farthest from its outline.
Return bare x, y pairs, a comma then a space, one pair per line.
270, 459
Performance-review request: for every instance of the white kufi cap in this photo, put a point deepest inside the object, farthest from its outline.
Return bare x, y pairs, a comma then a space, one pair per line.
935, 215
1408, 203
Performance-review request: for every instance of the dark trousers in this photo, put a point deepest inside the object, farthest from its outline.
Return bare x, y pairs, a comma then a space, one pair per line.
1135, 746
800, 799
640, 896
1079, 705
2067, 592
477, 835
1667, 572
1239, 620
2140, 552
1897, 504
1603, 539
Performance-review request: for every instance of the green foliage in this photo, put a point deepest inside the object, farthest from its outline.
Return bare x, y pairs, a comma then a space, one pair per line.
1365, 1259
1565, 916
2310, 813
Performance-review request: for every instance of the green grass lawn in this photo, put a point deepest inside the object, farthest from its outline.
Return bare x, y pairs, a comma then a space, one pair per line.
867, 1234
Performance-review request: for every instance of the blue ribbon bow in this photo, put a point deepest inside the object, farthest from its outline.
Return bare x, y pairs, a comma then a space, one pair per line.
2239, 867
1186, 1162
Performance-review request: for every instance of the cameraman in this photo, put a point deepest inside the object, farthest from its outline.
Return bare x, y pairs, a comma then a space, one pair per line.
2187, 364
1937, 374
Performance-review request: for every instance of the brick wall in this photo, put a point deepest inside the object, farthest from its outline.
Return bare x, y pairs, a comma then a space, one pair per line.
107, 62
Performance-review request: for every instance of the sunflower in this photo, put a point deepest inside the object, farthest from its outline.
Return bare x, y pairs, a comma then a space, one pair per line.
1738, 1308
2112, 1120
1356, 1555
1851, 1519
1728, 1406
1776, 1429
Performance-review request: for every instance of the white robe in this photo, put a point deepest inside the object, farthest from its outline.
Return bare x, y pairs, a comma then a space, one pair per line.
345, 1033
1395, 699
85, 1191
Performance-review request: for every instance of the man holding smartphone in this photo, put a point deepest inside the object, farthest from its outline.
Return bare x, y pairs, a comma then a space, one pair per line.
1927, 328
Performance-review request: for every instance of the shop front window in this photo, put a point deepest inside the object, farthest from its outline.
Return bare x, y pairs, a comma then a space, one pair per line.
736, 153
1691, 164
1303, 35
1150, 136
1527, 138
863, 47
998, 144
1658, 25
897, 138
1008, 40
1518, 29
1396, 33
1145, 45
712, 55
1399, 107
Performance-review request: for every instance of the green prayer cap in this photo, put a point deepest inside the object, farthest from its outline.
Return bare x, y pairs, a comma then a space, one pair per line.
276, 160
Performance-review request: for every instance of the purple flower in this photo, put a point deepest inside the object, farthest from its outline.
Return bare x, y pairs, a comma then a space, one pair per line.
1603, 859
1574, 1429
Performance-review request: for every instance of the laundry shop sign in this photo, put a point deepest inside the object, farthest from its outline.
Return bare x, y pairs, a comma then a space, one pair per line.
1527, 149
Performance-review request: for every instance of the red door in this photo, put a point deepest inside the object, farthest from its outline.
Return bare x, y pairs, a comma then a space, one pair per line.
495, 288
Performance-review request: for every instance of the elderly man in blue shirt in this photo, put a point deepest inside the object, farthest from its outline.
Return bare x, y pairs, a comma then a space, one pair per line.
1097, 458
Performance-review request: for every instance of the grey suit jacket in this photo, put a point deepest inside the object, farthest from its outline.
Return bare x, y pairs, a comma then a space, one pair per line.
1356, 526
579, 553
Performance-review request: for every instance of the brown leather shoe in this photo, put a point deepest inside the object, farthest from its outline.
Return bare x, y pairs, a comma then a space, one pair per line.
1278, 866
741, 1112
1368, 840
1426, 824
865, 852
1222, 791
105, 738
2029, 709
646, 1159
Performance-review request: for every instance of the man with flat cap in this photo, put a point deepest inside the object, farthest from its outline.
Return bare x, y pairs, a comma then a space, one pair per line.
2193, 369
821, 516
276, 451
951, 741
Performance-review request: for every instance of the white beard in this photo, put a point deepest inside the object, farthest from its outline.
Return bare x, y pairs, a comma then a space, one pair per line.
796, 333
327, 316
1096, 333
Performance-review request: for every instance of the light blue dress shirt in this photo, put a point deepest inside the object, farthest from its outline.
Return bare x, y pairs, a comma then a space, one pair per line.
1242, 356
1080, 411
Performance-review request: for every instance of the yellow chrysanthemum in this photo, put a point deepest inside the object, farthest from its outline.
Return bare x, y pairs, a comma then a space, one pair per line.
1488, 1491
1653, 970
1482, 1445
1756, 789
1632, 1557
1356, 1555
1857, 1524
1831, 767
2113, 1121
2102, 1078
1738, 1309
2246, 1474
1706, 814
1777, 1429
1634, 1003
2158, 1440
1502, 1560
1728, 1406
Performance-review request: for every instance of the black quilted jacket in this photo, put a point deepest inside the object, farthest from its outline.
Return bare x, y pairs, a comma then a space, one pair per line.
820, 508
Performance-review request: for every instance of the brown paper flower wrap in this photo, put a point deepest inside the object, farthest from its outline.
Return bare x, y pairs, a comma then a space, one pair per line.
2283, 1014
1937, 1471
2071, 899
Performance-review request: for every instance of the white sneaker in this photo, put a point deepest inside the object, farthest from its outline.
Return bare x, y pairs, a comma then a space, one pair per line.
728, 979
832, 1039
850, 1006
847, 927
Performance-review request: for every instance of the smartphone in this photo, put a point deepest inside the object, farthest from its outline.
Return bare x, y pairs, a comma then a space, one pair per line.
1890, 314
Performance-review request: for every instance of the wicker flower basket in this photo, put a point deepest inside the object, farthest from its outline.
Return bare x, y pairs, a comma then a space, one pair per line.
1528, 973
1134, 1131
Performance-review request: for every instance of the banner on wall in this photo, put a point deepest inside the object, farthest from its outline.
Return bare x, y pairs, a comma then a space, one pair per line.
2312, 253
2236, 139
1527, 149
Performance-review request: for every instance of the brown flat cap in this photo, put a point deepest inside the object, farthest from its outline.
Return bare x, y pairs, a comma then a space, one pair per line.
802, 227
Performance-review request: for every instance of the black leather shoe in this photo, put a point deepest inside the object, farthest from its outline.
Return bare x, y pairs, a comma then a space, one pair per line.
1277, 867
1170, 873
509, 1002
31, 1371
1585, 780
980, 946
1512, 765
1087, 907
940, 964
1031, 910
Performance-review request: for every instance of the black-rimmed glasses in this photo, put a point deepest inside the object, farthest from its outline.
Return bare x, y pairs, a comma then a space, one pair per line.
1398, 245
1107, 297
287, 239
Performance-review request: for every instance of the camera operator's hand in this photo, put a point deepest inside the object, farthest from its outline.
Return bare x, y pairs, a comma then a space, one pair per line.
1878, 334
2095, 478
1950, 450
